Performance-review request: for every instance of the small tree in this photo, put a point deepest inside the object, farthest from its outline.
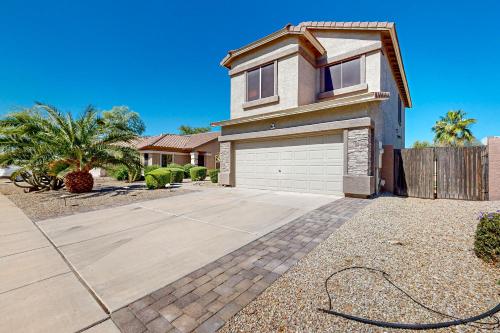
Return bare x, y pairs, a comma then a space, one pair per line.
186, 130
421, 144
453, 129
44, 141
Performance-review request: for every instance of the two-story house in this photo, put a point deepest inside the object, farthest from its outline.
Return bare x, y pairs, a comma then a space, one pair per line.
312, 107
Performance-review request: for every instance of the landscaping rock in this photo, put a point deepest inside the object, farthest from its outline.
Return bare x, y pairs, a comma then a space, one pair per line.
436, 265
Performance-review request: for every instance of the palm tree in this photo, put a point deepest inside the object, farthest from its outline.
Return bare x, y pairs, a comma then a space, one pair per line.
453, 129
42, 140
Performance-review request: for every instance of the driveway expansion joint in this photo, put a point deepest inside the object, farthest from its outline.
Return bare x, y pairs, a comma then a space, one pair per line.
205, 299
73, 270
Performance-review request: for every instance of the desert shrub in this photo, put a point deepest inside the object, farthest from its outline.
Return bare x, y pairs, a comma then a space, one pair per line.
119, 172
158, 178
186, 168
214, 175
198, 173
149, 168
177, 174
174, 165
487, 241
122, 172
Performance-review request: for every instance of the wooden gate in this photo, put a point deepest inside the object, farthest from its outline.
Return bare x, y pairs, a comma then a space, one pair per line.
461, 173
414, 172
443, 173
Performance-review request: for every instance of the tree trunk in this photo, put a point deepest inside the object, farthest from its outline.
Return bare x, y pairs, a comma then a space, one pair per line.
79, 182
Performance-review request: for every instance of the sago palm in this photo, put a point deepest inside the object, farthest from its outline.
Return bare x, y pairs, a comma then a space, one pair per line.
453, 129
43, 139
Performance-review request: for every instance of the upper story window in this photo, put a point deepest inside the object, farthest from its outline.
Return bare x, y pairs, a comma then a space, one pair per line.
342, 75
261, 82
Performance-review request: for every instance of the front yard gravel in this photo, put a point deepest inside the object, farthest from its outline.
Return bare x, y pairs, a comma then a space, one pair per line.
107, 193
426, 246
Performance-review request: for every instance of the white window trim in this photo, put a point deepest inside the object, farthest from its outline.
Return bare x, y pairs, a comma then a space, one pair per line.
275, 62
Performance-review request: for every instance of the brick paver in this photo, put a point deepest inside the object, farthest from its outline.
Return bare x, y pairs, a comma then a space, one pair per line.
206, 298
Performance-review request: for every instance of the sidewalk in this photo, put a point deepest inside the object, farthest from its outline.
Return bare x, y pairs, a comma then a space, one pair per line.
38, 290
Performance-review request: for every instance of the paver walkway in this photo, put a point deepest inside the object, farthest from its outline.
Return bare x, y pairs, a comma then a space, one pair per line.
206, 298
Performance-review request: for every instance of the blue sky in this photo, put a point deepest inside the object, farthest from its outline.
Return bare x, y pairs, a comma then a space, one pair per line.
161, 58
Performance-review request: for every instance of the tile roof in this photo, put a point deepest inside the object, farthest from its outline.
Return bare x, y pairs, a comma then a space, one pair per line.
341, 25
175, 141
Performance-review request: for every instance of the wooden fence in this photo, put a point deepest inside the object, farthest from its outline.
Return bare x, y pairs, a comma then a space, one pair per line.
443, 173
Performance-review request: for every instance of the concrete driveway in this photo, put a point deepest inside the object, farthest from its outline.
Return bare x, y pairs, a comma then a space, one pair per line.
38, 291
126, 252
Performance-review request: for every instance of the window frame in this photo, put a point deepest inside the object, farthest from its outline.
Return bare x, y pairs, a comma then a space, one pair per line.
275, 81
145, 157
362, 75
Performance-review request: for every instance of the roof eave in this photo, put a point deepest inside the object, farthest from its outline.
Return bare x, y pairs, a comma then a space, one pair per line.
226, 62
318, 106
231, 55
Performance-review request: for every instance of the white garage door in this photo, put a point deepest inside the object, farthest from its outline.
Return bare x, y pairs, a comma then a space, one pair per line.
311, 164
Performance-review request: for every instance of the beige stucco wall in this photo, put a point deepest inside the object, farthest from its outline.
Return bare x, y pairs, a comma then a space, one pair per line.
211, 149
390, 125
287, 90
308, 82
344, 113
182, 159
155, 158
265, 51
298, 80
373, 68
339, 42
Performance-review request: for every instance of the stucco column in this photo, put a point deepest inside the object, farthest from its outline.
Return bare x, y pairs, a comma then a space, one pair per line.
494, 168
358, 178
194, 158
226, 156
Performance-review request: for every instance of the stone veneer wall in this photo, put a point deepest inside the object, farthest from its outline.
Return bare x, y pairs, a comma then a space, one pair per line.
359, 142
225, 163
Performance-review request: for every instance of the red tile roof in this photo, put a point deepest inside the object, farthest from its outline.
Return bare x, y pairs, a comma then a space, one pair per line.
176, 141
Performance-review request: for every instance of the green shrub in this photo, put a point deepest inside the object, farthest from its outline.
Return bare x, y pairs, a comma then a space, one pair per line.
188, 167
119, 172
149, 168
122, 172
487, 242
158, 178
214, 175
174, 165
177, 174
198, 173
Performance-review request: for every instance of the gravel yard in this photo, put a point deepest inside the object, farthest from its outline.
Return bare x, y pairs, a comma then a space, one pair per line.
426, 246
107, 192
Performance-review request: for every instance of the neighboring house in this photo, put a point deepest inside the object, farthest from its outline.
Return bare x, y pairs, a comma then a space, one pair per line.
312, 106
198, 149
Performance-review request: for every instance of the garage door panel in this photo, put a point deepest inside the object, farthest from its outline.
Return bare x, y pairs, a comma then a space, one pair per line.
305, 164
337, 170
